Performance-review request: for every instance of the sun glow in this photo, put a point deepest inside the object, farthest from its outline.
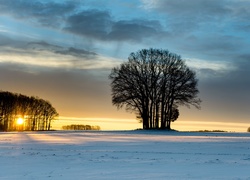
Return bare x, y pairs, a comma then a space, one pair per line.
20, 121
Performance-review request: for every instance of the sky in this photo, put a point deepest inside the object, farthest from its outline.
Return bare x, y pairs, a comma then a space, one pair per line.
63, 51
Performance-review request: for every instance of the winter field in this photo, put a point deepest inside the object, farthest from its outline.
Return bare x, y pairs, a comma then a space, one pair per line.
124, 155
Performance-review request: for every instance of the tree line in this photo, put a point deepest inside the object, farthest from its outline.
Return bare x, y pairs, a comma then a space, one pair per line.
153, 83
80, 127
36, 112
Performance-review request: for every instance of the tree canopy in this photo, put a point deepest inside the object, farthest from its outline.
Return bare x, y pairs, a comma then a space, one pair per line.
37, 113
153, 83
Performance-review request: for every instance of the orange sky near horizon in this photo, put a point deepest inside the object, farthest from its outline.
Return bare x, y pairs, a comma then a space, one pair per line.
132, 124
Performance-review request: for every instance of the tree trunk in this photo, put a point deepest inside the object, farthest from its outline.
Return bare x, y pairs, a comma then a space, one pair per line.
33, 124
49, 125
145, 120
157, 116
168, 125
163, 122
151, 116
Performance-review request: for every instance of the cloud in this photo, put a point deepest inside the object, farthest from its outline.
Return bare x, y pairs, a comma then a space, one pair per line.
224, 86
195, 15
216, 47
186, 16
92, 23
229, 90
243, 27
207, 69
242, 75
208, 64
44, 13
9, 42
99, 25
202, 7
192, 10
82, 21
44, 55
134, 30
42, 45
76, 52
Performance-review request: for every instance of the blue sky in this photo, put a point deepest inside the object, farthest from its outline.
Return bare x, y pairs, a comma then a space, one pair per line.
63, 51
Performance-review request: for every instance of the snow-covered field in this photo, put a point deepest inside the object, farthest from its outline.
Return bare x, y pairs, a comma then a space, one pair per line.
124, 155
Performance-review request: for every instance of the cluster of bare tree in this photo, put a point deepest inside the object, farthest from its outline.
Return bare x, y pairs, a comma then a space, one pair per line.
81, 127
153, 83
37, 113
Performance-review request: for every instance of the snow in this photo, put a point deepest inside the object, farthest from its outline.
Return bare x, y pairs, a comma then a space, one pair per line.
124, 155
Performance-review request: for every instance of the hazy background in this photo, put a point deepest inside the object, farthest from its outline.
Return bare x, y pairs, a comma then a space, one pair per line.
63, 51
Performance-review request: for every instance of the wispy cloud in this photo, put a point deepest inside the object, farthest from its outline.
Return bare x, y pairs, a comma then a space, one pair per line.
200, 10
211, 69
42, 54
213, 65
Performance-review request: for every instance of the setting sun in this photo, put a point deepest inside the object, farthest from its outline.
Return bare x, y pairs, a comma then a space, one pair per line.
20, 121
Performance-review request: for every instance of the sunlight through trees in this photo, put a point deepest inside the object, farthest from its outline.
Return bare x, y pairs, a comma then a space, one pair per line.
32, 113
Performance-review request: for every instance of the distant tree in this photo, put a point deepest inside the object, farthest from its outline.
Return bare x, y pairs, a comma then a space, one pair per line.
80, 127
248, 130
37, 112
153, 83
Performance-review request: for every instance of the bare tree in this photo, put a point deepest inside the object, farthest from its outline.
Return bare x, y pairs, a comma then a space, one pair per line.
153, 83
